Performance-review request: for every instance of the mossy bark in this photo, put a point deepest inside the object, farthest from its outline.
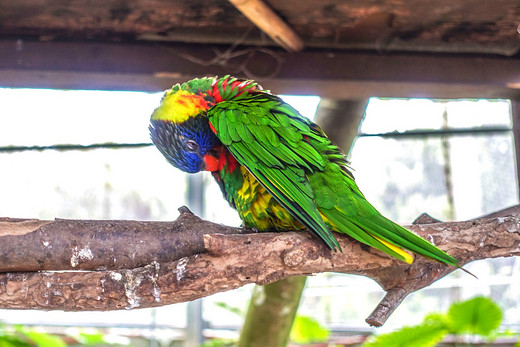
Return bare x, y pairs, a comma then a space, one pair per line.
271, 313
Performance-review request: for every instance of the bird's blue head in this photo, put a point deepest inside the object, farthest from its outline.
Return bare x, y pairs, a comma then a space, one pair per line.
184, 145
179, 127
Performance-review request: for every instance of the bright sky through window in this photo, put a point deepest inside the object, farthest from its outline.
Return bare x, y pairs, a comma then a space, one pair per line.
45, 117
401, 177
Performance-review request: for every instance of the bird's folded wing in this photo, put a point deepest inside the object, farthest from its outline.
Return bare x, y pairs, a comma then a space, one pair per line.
270, 138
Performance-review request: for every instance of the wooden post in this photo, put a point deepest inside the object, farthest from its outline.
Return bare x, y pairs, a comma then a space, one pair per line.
271, 313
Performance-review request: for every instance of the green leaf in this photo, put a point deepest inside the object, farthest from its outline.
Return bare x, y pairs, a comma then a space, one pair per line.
8, 338
306, 329
42, 339
90, 338
218, 343
13, 341
94, 337
424, 335
435, 318
479, 315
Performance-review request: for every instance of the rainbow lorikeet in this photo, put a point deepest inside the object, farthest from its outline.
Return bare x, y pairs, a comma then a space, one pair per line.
275, 167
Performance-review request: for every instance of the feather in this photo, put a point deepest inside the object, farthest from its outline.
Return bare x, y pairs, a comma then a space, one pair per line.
244, 132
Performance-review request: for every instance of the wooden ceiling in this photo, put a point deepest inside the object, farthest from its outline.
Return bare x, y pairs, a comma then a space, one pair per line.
366, 47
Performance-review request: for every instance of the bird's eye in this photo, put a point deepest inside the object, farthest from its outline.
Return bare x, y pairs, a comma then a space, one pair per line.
192, 146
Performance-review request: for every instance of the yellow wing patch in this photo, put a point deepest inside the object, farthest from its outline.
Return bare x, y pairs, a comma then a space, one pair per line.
406, 256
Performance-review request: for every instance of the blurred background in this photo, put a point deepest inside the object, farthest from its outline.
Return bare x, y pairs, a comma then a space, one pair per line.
453, 159
428, 93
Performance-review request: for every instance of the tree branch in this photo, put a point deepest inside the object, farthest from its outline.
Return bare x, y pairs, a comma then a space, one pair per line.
35, 245
147, 264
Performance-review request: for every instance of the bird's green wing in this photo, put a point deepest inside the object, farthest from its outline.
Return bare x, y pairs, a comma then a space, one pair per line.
270, 138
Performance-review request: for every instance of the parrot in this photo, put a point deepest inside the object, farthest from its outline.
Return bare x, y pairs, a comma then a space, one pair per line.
277, 168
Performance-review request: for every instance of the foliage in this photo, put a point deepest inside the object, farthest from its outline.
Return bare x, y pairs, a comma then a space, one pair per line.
218, 343
40, 338
94, 337
479, 316
306, 329
21, 336
424, 335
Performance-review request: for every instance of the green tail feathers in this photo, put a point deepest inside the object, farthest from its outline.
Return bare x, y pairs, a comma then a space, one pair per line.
387, 236
404, 238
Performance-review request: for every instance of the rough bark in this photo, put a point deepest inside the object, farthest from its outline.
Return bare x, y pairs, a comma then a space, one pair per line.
33, 245
466, 26
231, 261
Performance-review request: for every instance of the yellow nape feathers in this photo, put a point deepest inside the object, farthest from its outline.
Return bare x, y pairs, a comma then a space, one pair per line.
178, 106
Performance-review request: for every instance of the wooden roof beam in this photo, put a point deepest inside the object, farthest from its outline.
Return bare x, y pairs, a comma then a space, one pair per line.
328, 73
270, 23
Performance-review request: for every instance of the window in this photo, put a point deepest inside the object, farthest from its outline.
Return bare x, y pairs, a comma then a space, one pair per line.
451, 159
122, 178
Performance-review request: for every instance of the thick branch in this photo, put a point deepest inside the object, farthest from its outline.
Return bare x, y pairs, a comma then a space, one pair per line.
228, 262
33, 245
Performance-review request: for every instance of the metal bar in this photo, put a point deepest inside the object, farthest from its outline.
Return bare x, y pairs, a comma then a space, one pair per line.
67, 147
195, 322
441, 132
515, 112
64, 324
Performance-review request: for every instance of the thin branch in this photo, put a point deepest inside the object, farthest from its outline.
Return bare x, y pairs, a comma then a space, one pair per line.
220, 262
270, 23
